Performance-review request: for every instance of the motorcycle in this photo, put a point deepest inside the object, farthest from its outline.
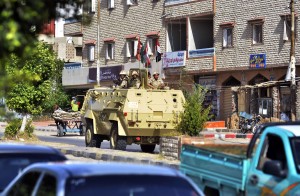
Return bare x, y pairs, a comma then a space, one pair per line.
248, 122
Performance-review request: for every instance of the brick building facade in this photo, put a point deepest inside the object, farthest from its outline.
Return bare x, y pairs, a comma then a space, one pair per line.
222, 41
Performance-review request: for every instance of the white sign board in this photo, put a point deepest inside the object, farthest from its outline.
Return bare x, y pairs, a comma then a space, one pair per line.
174, 59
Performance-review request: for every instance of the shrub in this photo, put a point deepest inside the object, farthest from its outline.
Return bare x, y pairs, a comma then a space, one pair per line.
29, 128
195, 115
12, 128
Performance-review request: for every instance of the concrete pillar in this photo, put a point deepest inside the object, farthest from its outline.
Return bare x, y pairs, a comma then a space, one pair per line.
253, 102
234, 101
275, 98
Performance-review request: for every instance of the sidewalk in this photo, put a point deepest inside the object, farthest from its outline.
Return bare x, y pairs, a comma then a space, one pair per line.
224, 133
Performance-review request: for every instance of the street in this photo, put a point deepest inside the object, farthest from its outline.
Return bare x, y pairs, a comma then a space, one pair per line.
76, 140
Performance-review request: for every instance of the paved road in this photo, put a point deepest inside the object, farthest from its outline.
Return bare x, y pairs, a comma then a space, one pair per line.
76, 140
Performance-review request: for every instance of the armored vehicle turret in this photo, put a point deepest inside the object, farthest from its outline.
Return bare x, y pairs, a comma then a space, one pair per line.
127, 116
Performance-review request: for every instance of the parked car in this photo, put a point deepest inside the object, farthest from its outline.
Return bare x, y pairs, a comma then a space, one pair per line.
270, 167
15, 157
79, 178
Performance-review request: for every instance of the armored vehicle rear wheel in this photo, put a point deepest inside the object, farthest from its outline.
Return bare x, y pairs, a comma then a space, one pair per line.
91, 139
117, 142
148, 147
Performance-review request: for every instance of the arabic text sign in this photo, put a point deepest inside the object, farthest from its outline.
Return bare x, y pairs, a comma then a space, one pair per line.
257, 61
174, 59
106, 73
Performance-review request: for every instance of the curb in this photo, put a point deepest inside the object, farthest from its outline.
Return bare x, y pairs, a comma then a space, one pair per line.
227, 135
45, 129
116, 158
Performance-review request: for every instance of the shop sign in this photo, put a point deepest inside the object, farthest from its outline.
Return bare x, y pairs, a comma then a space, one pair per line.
257, 61
174, 59
208, 81
72, 65
106, 73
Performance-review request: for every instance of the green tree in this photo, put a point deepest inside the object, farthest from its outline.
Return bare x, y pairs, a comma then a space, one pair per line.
195, 115
57, 94
20, 23
28, 97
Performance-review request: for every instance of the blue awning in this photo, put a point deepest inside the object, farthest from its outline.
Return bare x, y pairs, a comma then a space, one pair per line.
72, 65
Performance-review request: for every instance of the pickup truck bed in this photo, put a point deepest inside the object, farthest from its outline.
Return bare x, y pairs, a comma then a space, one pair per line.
217, 169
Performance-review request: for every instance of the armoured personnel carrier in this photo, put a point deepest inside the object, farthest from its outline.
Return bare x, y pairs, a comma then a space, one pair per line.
127, 116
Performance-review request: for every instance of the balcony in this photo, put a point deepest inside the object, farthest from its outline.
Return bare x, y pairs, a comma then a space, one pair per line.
173, 2
204, 52
73, 29
203, 5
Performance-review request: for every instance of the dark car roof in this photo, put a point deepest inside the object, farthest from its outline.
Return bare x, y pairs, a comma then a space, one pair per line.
27, 148
74, 168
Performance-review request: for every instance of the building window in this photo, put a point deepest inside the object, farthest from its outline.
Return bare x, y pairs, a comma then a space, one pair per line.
131, 2
111, 4
78, 51
109, 51
257, 33
131, 47
151, 44
90, 6
91, 53
176, 36
287, 29
257, 29
227, 37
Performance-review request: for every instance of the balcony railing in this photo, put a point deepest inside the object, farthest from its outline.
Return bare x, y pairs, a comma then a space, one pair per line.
204, 52
172, 2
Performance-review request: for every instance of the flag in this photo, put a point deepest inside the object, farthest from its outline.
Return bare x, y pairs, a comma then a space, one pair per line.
138, 52
158, 52
145, 57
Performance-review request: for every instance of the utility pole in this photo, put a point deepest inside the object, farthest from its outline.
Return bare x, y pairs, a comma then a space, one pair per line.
98, 52
293, 63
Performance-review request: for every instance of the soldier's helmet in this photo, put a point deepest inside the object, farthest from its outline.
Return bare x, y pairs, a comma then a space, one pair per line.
123, 72
135, 73
155, 73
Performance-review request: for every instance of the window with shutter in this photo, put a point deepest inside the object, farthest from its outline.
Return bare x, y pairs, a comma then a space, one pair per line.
109, 51
287, 29
151, 47
131, 2
257, 34
131, 47
227, 37
111, 4
93, 5
91, 53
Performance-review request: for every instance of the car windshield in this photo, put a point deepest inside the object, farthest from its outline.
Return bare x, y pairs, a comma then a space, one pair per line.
130, 185
295, 143
12, 164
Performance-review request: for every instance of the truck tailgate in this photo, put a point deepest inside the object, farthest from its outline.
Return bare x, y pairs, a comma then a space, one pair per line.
215, 169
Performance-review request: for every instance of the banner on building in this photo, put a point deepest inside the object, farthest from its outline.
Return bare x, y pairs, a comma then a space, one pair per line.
174, 59
106, 73
257, 61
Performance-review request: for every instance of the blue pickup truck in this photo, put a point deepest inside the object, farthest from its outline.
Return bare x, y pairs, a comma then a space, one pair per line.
271, 165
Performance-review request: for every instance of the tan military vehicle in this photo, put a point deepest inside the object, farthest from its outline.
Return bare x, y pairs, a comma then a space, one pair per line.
127, 116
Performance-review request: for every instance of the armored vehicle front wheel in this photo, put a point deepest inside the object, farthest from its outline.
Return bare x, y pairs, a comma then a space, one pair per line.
117, 142
148, 147
91, 139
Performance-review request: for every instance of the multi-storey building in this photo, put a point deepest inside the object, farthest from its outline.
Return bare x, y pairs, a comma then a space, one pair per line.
218, 44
